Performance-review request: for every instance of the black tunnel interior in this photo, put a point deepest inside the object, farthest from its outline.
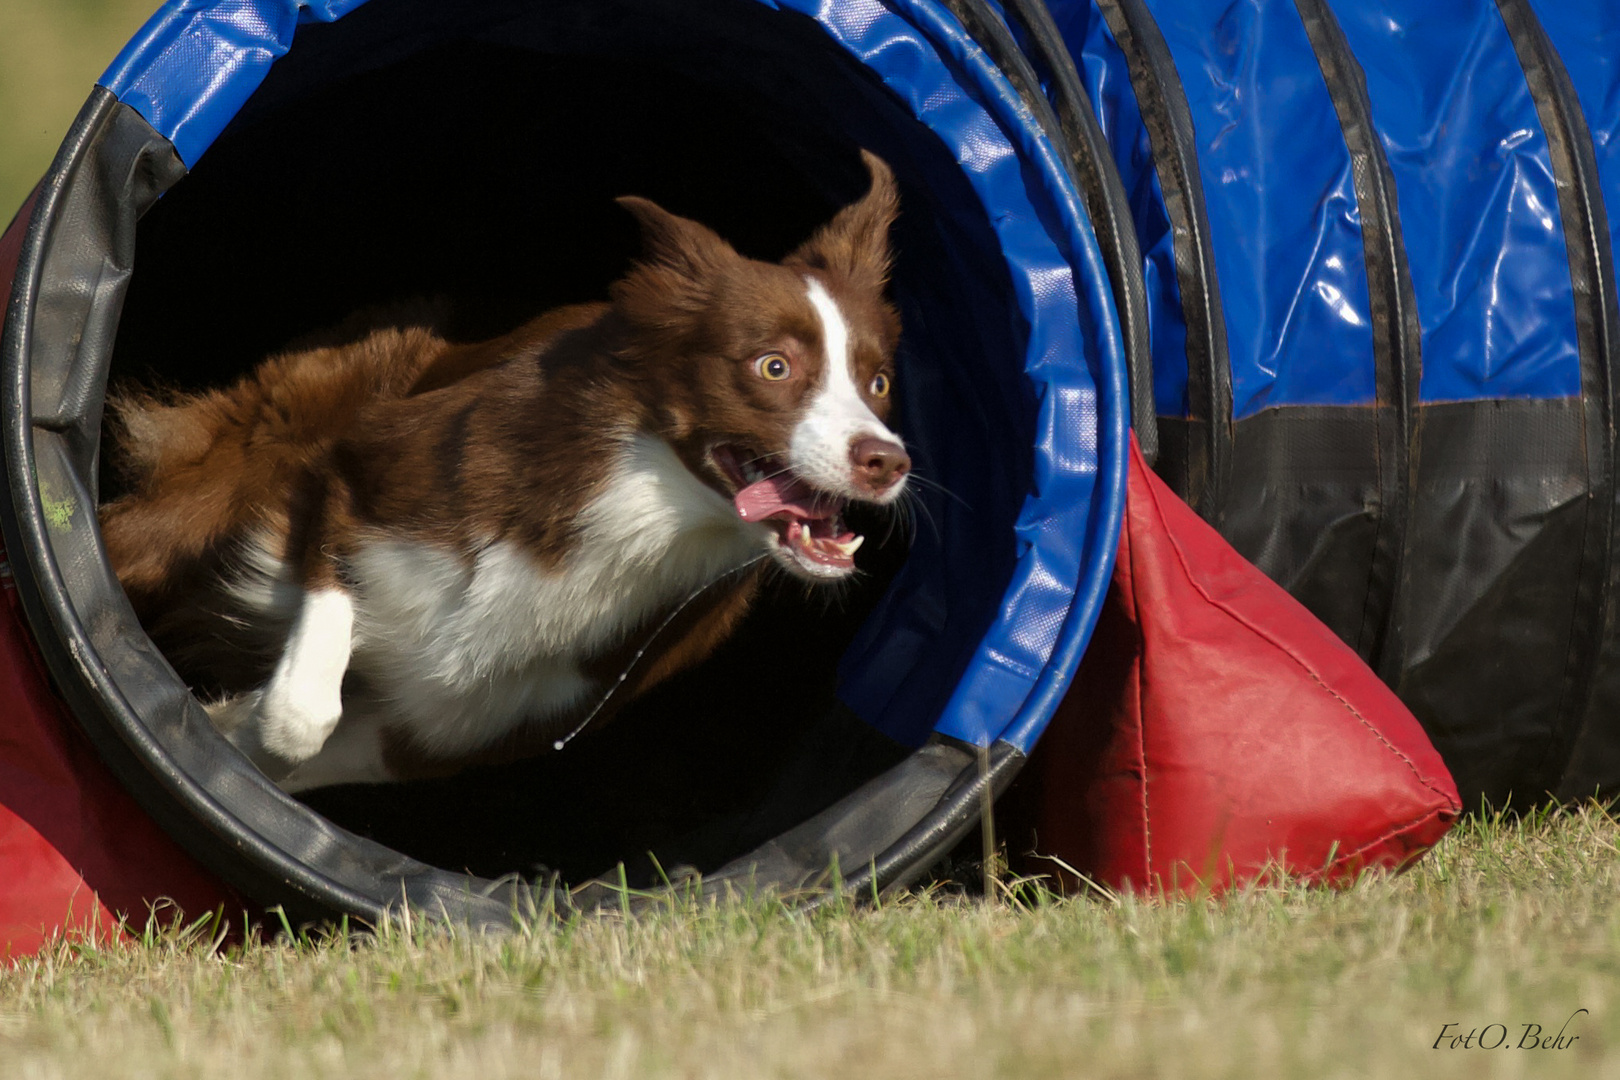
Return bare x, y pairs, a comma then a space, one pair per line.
471, 153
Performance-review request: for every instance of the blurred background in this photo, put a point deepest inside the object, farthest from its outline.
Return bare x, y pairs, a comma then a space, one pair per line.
51, 54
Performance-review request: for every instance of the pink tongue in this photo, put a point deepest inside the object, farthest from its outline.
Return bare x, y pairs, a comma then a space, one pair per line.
783, 494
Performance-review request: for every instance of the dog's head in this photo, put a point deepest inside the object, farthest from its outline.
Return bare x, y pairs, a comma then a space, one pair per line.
774, 381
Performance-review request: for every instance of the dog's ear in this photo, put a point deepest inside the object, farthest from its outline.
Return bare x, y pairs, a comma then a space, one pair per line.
856, 241
681, 263
672, 242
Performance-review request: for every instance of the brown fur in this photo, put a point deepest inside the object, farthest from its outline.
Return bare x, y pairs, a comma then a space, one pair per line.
404, 434
205, 471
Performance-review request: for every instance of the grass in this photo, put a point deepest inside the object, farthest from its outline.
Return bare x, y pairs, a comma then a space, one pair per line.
51, 53
1510, 922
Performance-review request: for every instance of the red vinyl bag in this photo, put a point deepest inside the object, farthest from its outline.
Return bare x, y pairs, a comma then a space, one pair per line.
1216, 729
77, 853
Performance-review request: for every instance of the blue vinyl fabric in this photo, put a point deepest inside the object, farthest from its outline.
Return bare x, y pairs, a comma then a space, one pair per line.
1444, 82
1280, 194
1587, 38
1107, 80
196, 63
1478, 202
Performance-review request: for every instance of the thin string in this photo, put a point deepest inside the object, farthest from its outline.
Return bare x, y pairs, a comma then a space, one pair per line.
645, 645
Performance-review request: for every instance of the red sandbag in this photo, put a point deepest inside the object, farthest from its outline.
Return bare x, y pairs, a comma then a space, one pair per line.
1216, 728
75, 849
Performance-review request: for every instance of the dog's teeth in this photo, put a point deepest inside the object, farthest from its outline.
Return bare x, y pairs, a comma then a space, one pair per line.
849, 547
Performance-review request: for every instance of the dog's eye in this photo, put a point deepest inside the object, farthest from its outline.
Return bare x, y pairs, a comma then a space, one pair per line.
773, 367
880, 385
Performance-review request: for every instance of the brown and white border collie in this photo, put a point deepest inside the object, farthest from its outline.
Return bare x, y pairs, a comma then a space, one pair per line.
396, 556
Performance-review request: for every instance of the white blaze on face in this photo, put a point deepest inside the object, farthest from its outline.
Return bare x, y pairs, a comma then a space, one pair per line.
835, 414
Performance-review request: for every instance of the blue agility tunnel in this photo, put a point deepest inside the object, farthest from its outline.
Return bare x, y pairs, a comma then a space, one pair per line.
250, 171
1348, 275
1380, 280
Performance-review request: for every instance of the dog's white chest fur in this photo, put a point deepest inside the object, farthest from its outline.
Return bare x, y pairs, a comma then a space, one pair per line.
470, 649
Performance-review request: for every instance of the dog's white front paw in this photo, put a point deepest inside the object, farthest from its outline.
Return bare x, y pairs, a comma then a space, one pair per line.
297, 717
303, 701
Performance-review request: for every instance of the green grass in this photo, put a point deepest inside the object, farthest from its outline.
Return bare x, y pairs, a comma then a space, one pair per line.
1511, 923
51, 53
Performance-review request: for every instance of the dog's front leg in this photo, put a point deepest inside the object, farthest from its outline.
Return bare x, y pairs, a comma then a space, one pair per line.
290, 719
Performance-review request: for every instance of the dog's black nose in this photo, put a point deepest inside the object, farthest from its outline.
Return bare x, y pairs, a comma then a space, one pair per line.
879, 463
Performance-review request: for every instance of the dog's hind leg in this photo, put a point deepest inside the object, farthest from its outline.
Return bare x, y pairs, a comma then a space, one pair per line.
238, 719
355, 754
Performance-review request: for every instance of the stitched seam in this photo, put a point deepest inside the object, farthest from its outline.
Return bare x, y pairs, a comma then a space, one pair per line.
1317, 679
1141, 733
1385, 838
1141, 750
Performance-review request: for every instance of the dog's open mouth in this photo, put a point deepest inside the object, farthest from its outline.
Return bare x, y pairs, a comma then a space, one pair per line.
809, 531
